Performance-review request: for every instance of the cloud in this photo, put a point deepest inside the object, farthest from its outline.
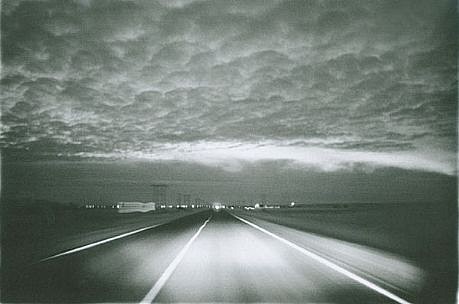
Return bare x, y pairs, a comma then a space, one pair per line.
96, 77
233, 155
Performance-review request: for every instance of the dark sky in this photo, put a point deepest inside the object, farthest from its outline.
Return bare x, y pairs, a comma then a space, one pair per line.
316, 86
110, 182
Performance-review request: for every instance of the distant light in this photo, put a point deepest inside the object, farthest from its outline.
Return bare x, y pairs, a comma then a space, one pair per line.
292, 204
217, 206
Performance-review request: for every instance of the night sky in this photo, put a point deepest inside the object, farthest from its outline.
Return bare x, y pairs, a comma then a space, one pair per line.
280, 95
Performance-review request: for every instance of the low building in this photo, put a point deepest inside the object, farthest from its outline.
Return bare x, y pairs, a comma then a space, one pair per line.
128, 207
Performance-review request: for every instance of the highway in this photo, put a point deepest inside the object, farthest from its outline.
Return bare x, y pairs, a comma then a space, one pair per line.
206, 257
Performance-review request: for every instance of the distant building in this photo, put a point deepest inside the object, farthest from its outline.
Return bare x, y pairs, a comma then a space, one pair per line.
129, 207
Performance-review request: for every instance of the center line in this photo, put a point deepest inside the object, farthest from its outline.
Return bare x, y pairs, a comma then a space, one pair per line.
151, 295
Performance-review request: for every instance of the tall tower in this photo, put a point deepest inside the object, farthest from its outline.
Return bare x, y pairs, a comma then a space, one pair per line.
160, 192
263, 199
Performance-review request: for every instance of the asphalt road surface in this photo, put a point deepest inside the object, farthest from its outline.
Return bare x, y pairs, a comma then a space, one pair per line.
206, 257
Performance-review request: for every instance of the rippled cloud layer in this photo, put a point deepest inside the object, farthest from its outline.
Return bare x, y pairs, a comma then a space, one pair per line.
328, 84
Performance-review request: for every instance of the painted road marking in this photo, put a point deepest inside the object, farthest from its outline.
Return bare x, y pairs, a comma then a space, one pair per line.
99, 243
329, 264
151, 295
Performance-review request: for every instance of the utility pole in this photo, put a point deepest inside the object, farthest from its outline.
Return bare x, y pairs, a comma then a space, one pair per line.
160, 192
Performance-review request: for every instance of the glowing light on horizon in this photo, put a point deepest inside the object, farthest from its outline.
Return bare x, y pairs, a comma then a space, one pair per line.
233, 156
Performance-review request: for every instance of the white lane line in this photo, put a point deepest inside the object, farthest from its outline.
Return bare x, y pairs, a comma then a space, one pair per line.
98, 243
329, 264
151, 295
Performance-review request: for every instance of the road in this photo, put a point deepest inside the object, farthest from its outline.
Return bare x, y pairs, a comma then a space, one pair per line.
206, 257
